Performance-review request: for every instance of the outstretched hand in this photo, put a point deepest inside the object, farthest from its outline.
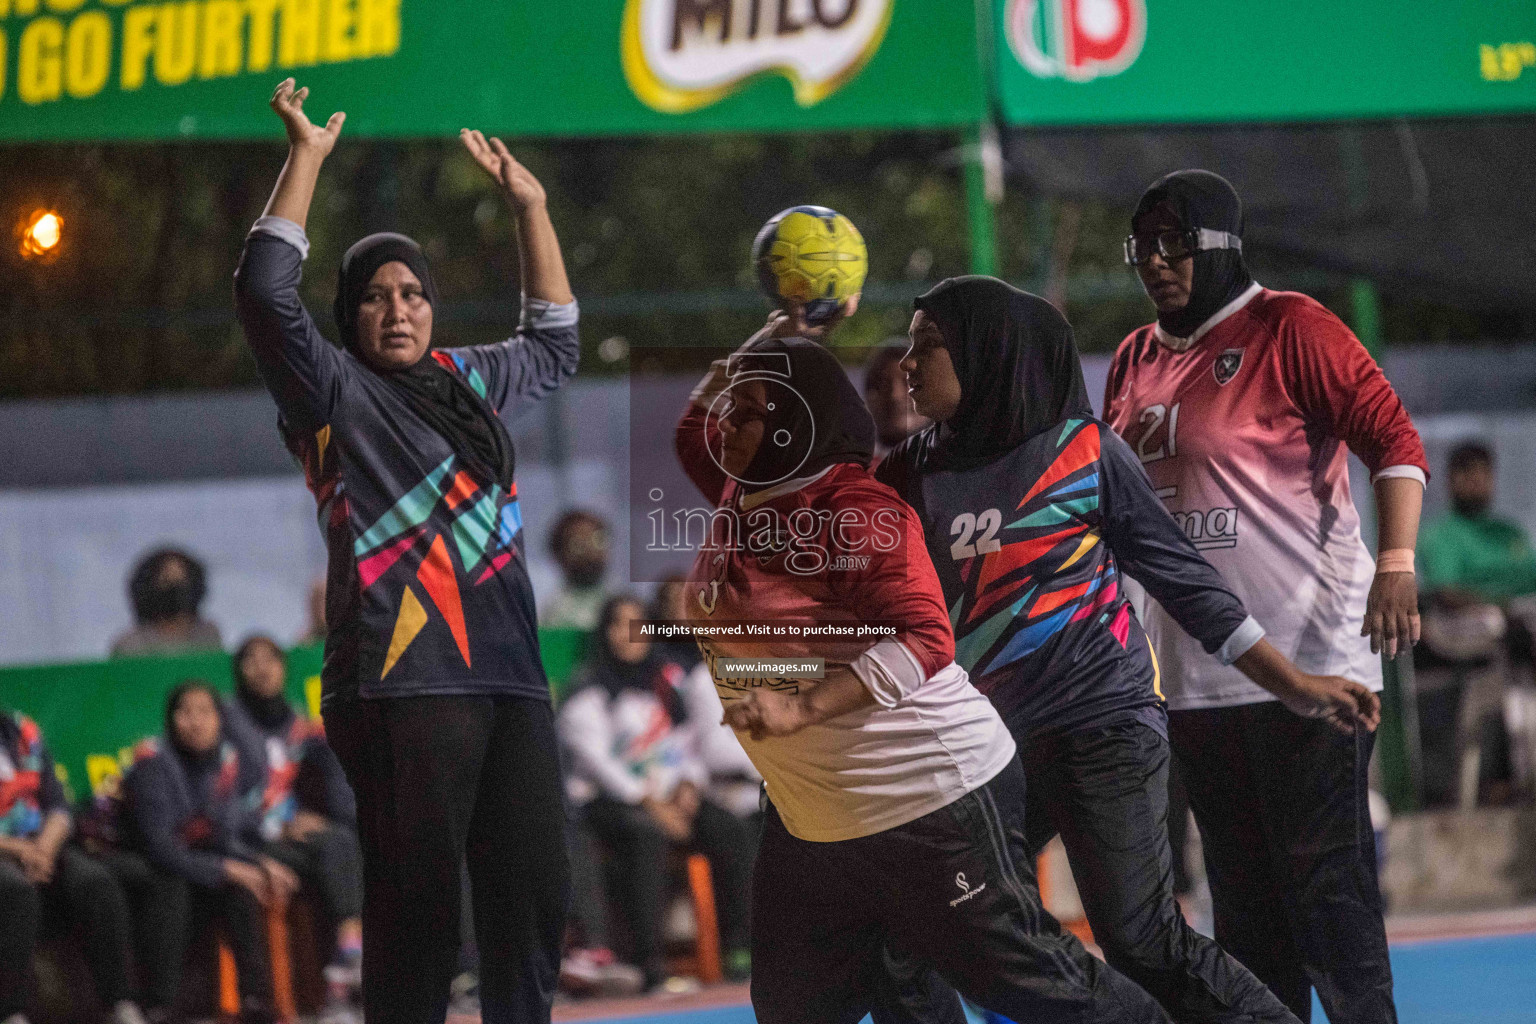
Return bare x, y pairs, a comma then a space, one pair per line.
764, 713
522, 188
791, 322
288, 102
1392, 613
1342, 703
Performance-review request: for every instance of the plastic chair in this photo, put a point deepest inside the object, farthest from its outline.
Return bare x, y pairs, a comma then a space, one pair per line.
701, 889
282, 970
1076, 925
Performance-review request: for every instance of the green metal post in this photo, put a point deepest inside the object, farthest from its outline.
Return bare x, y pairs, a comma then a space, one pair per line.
1364, 303
978, 204
1397, 738
1365, 312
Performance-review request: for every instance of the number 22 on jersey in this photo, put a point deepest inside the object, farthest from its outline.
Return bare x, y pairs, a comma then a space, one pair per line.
966, 526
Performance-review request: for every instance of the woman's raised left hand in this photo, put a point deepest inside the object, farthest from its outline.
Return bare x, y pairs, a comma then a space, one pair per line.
522, 188
288, 102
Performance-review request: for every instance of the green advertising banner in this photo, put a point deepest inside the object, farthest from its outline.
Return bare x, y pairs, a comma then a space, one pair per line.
1093, 62
93, 713
129, 69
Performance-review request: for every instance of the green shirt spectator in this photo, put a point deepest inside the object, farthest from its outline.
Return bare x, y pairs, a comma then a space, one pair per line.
1484, 556
1468, 553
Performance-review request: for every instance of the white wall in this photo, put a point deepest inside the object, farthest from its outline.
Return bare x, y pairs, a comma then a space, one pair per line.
66, 553
65, 557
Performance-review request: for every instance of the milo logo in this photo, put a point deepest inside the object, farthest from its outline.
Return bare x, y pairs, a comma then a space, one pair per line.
680, 55
1078, 40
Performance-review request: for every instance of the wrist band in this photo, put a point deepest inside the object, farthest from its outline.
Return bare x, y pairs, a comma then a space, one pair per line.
1396, 560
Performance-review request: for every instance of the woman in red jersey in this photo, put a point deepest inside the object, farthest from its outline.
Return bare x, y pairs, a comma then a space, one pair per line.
895, 798
1242, 404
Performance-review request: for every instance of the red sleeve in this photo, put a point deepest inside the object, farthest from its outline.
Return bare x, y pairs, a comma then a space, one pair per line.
693, 437
898, 584
1337, 385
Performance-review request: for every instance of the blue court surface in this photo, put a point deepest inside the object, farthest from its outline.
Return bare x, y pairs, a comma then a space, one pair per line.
1489, 980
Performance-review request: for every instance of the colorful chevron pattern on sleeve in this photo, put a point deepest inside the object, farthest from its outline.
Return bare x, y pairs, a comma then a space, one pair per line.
1049, 568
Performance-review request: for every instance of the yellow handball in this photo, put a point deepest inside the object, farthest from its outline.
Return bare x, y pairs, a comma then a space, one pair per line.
813, 257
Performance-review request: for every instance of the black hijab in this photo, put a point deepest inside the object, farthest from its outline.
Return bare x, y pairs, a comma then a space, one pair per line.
196, 761
833, 416
271, 713
1200, 199
606, 669
1017, 364
685, 652
438, 395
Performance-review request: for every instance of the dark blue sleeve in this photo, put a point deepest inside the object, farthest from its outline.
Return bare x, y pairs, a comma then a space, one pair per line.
249, 743
155, 818
242, 838
1153, 551
518, 372
302, 370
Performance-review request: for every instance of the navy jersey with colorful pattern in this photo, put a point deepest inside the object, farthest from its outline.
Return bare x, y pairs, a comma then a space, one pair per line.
1030, 549
29, 789
427, 589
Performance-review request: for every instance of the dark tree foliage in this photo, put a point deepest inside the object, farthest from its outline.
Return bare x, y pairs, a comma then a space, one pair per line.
656, 234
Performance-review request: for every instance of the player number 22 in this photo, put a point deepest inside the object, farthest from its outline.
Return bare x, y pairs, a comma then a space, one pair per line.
1152, 418
966, 524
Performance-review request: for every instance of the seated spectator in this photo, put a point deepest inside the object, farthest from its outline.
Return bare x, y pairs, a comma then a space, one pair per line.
671, 605
733, 781
589, 967
579, 544
100, 831
885, 393
167, 591
1477, 573
187, 811
638, 785
308, 813
39, 874
1468, 555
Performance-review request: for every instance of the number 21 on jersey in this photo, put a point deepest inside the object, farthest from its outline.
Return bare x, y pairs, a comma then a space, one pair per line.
1152, 420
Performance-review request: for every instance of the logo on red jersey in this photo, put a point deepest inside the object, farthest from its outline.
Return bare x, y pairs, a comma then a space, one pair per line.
1078, 40
1227, 364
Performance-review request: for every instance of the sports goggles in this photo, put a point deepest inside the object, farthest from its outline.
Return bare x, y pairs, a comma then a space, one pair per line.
1175, 245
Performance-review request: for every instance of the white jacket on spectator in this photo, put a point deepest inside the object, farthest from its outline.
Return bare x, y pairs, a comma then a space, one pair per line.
733, 780
625, 747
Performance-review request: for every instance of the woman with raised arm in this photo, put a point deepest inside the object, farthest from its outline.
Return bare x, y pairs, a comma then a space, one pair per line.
434, 696
895, 799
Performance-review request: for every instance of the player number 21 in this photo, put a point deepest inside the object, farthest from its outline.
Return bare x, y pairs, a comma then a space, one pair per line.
1152, 418
966, 525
